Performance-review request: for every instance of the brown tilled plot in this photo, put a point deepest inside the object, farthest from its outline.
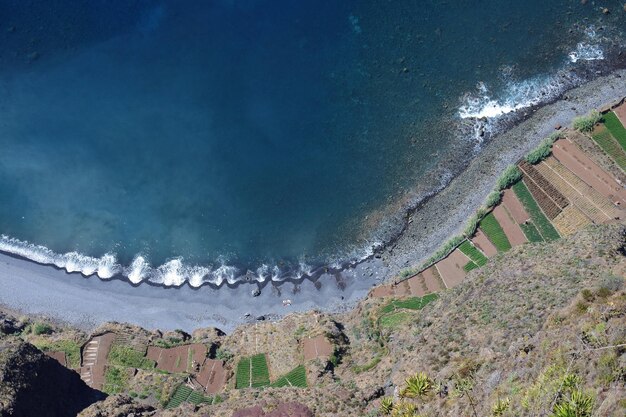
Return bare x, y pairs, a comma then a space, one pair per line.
176, 359
451, 268
417, 285
568, 154
511, 229
317, 347
382, 291
481, 241
212, 376
432, 280
514, 206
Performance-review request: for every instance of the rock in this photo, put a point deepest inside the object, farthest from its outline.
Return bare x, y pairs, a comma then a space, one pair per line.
605, 10
558, 127
260, 318
256, 292
33, 384
118, 406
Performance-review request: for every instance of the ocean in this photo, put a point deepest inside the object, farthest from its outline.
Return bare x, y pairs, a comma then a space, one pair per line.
213, 141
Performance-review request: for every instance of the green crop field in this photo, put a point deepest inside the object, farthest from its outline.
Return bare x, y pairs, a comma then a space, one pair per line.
129, 357
295, 378
545, 228
181, 395
473, 253
71, 349
413, 303
614, 126
610, 145
531, 232
394, 319
185, 394
252, 372
490, 227
470, 266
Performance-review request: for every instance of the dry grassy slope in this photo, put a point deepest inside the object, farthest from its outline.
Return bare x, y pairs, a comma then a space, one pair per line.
509, 325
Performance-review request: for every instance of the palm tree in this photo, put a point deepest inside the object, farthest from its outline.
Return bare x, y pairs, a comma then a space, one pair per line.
386, 405
404, 409
417, 386
578, 405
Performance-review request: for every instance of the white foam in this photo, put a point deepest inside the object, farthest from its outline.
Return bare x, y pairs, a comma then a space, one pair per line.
586, 52
139, 270
105, 267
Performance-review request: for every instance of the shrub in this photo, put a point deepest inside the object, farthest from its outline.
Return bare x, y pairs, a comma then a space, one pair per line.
223, 354
500, 407
386, 405
472, 223
586, 123
510, 176
41, 328
417, 386
493, 199
544, 149
578, 404
128, 357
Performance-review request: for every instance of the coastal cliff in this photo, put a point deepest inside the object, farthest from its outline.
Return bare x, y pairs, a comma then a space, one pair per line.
505, 338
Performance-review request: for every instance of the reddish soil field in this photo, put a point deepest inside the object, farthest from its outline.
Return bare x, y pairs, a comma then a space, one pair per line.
382, 291
451, 268
511, 229
417, 286
431, 280
176, 359
481, 241
317, 347
401, 289
621, 113
515, 207
212, 376
283, 410
580, 164
58, 356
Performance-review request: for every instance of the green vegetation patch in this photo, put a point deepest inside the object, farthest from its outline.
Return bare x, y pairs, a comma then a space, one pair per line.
115, 380
71, 349
242, 377
586, 123
616, 128
490, 226
357, 369
295, 378
545, 228
181, 395
128, 357
544, 149
510, 176
252, 372
260, 371
394, 319
470, 266
531, 232
610, 145
413, 303
473, 253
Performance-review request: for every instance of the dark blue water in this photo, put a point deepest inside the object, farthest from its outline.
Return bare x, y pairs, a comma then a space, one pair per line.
249, 132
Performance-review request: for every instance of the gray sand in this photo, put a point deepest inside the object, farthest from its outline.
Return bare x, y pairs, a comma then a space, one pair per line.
88, 302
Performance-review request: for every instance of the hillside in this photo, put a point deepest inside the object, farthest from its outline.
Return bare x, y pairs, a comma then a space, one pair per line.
512, 332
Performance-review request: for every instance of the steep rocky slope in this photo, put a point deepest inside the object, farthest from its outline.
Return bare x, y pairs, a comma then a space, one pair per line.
32, 384
522, 335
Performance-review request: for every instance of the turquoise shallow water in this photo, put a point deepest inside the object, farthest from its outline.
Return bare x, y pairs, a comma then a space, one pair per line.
212, 138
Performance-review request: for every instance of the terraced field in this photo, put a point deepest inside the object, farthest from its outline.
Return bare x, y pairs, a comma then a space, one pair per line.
252, 372
610, 145
614, 126
472, 252
185, 394
413, 303
490, 226
540, 221
295, 378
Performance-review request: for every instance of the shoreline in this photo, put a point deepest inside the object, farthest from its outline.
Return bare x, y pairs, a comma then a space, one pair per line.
89, 301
